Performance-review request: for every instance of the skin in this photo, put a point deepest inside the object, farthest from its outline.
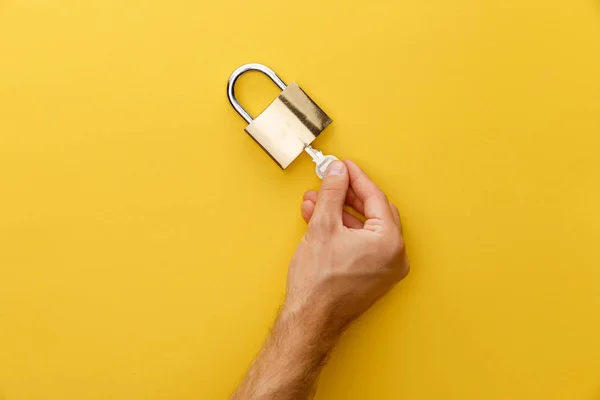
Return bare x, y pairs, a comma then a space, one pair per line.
342, 266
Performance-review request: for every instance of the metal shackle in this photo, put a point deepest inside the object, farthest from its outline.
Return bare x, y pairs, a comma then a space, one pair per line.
237, 73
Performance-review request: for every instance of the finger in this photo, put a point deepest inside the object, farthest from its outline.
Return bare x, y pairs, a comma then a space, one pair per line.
349, 221
353, 201
310, 195
396, 215
376, 205
307, 209
308, 205
330, 201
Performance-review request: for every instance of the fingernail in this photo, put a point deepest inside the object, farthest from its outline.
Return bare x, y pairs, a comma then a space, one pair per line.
336, 168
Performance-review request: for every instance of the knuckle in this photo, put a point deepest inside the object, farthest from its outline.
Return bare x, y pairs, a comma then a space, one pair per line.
394, 247
380, 195
399, 247
377, 196
332, 193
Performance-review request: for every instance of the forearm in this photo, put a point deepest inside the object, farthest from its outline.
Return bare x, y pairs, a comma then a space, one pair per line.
290, 361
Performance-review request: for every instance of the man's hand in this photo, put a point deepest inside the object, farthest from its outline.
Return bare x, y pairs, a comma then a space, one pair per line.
341, 267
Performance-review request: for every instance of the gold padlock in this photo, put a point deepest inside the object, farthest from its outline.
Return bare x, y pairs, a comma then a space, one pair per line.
288, 125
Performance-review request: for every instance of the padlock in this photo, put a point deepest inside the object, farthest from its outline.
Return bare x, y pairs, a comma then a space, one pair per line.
289, 124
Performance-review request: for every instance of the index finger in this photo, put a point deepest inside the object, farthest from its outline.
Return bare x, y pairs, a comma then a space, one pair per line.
376, 205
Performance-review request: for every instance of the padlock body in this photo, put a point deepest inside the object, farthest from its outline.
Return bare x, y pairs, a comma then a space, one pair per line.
288, 124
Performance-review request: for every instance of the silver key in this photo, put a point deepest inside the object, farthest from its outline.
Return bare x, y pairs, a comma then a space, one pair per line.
319, 159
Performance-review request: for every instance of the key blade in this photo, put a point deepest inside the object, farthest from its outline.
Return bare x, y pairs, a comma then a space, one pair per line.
312, 152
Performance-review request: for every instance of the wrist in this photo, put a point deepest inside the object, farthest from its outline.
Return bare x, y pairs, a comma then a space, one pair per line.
313, 324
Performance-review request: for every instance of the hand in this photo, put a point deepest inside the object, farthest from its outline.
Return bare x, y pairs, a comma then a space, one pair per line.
343, 265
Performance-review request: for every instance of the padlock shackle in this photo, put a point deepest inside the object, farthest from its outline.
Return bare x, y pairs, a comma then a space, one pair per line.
237, 73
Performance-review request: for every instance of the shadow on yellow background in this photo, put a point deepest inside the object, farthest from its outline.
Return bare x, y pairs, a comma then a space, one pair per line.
144, 237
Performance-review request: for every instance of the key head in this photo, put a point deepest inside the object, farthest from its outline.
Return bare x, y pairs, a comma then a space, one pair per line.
323, 164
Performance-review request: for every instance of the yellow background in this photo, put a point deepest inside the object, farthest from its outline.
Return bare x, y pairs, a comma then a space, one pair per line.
144, 237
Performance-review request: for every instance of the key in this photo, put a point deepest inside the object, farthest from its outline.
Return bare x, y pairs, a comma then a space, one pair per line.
319, 159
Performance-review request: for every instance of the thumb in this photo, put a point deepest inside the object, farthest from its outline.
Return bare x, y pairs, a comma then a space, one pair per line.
332, 195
